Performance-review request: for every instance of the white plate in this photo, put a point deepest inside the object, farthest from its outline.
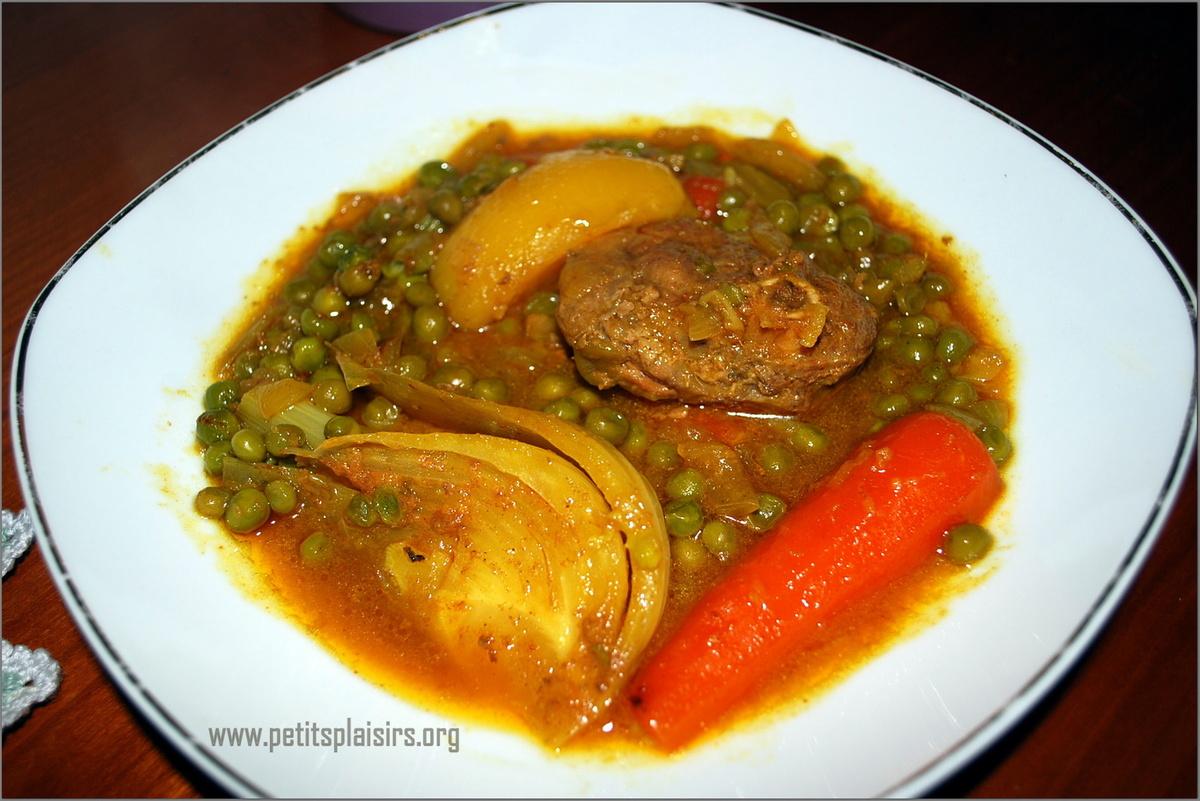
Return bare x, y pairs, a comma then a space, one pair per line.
98, 432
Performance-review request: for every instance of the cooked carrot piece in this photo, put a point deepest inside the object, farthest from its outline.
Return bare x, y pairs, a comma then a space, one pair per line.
878, 517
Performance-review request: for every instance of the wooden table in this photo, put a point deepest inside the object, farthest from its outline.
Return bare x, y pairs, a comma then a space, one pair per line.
99, 101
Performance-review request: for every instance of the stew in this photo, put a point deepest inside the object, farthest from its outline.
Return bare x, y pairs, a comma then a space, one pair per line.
537, 431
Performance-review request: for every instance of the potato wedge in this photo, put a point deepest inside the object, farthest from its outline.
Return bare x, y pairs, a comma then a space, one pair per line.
521, 232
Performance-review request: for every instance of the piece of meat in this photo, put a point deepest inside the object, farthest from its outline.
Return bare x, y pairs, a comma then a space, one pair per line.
682, 310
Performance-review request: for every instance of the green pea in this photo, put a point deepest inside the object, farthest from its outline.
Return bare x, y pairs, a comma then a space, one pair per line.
936, 285
731, 198
387, 506
214, 457
300, 291
361, 512
279, 340
636, 441
359, 279
429, 324
831, 165
920, 325
856, 233
245, 364
688, 554
421, 294
218, 426
770, 509
284, 437
314, 325
552, 386
956, 392
700, 151
542, 303
316, 548
308, 354
446, 206
326, 372
992, 412
211, 501
808, 438
683, 518
953, 345
818, 219
474, 184
663, 455
318, 272
737, 220
921, 393
491, 389
895, 244
220, 395
248, 445
423, 263
784, 215
362, 321
380, 413
508, 327
247, 510
718, 537
905, 269
434, 173
340, 425
687, 484
328, 301
998, 445
775, 458
454, 377
281, 495
586, 398
564, 409
393, 271
966, 544
336, 245
891, 406
608, 424
913, 350
384, 217
332, 396
853, 210
877, 290
935, 373
910, 299
842, 189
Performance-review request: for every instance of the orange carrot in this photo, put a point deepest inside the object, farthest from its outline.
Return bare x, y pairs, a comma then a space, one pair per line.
878, 517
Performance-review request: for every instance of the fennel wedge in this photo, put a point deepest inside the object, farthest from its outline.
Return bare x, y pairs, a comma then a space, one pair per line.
557, 463
521, 572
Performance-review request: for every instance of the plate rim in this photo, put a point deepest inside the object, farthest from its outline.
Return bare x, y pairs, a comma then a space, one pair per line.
920, 779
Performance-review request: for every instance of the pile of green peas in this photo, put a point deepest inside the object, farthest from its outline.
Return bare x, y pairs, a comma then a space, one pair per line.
374, 277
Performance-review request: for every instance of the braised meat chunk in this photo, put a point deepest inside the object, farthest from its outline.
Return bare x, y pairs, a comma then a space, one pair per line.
682, 310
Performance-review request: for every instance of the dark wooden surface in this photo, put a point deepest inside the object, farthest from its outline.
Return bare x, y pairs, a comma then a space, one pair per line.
99, 101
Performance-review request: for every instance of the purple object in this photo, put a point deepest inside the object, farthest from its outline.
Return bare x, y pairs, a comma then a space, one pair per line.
406, 17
